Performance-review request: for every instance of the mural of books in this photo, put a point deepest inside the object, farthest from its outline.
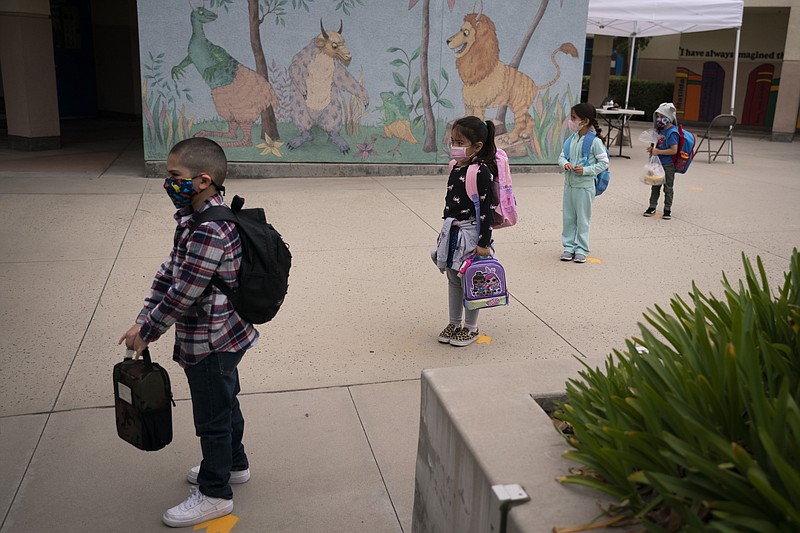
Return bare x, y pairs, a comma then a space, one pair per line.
711, 93
756, 101
772, 102
688, 86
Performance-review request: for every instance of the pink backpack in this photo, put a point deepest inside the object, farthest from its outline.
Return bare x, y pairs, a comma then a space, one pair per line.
505, 214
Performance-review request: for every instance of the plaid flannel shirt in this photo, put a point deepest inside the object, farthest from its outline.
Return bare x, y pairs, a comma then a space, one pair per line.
205, 321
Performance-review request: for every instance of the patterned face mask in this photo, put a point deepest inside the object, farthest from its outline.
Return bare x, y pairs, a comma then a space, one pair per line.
180, 191
661, 122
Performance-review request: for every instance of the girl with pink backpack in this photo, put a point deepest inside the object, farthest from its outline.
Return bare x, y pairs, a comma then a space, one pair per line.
467, 228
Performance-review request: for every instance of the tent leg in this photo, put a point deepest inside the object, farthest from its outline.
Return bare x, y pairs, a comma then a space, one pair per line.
630, 71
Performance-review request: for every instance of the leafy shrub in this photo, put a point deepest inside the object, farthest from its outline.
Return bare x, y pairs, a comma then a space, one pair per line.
696, 426
645, 94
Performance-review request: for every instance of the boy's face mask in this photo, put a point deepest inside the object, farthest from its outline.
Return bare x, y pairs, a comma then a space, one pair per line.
661, 122
180, 191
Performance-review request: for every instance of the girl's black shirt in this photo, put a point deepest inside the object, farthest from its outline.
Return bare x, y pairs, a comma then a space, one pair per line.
460, 207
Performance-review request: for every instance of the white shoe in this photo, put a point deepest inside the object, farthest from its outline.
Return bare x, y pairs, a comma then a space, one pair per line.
196, 509
237, 476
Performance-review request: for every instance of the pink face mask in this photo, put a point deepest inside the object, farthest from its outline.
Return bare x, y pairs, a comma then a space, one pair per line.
459, 153
573, 126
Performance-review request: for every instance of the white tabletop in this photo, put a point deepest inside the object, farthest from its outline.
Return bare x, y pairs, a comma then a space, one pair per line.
620, 111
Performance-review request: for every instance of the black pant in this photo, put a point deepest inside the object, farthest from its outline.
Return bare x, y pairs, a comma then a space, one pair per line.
218, 421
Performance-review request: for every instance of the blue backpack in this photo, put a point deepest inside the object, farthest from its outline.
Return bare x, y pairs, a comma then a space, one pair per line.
602, 179
685, 154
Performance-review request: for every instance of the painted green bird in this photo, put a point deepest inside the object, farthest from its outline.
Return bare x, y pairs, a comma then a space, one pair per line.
396, 119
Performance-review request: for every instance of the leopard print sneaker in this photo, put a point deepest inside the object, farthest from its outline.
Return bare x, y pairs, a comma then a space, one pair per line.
447, 333
464, 337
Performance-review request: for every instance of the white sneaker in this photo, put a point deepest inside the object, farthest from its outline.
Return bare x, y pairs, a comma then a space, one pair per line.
237, 476
196, 509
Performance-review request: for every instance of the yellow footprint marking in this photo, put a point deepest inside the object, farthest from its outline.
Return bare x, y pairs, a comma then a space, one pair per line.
218, 525
593, 260
484, 339
696, 189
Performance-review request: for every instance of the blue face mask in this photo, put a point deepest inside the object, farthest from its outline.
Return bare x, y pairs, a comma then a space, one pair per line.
180, 191
661, 122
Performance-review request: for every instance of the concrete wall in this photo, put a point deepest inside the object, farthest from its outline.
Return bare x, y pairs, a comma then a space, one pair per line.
382, 39
480, 427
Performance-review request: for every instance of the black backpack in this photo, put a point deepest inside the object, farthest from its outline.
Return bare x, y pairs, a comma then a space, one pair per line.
266, 260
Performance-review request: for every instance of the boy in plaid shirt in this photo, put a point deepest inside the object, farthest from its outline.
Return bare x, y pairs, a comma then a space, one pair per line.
210, 337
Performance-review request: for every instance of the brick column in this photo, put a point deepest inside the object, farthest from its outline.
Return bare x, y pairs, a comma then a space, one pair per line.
789, 93
29, 76
601, 69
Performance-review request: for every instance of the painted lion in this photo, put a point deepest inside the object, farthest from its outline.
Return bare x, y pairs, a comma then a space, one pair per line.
488, 82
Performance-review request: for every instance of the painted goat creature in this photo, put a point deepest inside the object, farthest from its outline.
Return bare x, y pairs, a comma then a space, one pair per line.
318, 73
239, 93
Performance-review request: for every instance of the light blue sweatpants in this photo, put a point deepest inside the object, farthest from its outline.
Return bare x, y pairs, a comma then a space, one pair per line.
577, 212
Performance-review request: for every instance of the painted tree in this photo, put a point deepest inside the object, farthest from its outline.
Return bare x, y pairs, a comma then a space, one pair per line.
517, 59
259, 11
429, 145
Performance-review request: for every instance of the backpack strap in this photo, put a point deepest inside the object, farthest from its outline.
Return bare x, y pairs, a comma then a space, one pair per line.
472, 190
586, 149
566, 146
216, 213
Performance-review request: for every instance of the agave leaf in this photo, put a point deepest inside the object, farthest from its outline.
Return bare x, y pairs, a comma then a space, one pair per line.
593, 484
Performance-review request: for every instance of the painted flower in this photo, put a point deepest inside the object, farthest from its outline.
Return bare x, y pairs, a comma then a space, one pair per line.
270, 147
365, 149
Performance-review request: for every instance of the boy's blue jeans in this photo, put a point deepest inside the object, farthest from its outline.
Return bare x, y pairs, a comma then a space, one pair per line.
218, 421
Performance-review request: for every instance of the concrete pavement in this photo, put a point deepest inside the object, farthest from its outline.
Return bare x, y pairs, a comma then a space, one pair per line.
331, 393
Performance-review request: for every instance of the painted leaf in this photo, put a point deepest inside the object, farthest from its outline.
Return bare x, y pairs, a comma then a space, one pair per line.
412, 3
398, 80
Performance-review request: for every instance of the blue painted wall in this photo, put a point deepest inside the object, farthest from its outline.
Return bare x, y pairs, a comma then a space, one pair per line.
384, 40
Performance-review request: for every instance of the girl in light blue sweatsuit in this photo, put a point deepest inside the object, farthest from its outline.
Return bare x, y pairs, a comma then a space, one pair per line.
579, 185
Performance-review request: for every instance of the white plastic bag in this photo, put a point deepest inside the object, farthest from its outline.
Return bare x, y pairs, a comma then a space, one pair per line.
652, 173
649, 136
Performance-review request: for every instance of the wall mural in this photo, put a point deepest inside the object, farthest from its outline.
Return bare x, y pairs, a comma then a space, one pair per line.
358, 80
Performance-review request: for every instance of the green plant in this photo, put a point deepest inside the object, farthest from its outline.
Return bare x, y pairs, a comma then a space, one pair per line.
411, 88
549, 125
165, 122
696, 426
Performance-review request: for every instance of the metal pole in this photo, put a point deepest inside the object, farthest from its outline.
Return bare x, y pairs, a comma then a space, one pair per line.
735, 68
630, 71
733, 88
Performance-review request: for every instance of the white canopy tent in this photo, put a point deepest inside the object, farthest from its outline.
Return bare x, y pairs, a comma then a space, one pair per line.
649, 18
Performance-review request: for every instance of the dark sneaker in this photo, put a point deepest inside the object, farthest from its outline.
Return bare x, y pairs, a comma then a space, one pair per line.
464, 337
567, 256
667, 215
649, 211
580, 258
237, 476
447, 334
196, 509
